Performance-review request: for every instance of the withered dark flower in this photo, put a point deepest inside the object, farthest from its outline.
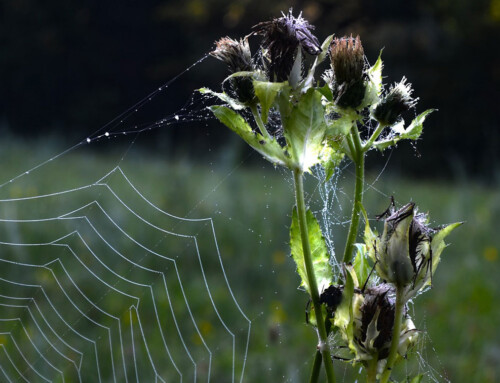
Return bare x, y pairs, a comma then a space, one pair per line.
347, 61
397, 101
377, 320
332, 297
237, 56
282, 39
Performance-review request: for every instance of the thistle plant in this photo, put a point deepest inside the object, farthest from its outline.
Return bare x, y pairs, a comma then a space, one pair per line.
324, 119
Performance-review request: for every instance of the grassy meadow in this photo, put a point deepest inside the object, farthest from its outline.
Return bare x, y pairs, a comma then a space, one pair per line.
250, 207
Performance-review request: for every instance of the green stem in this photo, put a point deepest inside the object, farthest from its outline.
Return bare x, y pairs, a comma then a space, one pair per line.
371, 371
316, 367
259, 122
311, 278
359, 161
374, 137
350, 144
396, 330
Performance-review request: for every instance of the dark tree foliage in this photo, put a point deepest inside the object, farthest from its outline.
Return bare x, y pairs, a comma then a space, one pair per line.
70, 66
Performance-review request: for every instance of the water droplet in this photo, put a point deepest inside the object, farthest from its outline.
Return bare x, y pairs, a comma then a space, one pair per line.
106, 134
88, 140
176, 117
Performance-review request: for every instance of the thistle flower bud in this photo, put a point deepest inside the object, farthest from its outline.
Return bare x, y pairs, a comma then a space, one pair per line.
397, 101
283, 37
347, 61
237, 56
405, 254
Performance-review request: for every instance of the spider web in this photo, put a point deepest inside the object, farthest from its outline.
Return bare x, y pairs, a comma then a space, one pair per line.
100, 281
92, 280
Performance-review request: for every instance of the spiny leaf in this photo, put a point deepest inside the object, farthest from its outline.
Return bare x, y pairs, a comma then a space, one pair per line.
234, 104
312, 315
343, 315
266, 93
375, 74
327, 92
374, 83
371, 238
331, 157
319, 251
412, 132
270, 149
340, 126
308, 81
304, 129
361, 265
438, 244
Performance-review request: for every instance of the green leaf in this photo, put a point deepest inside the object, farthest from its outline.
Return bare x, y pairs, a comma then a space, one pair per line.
438, 244
254, 74
371, 238
309, 80
257, 75
270, 149
341, 126
374, 83
266, 93
361, 265
343, 315
375, 74
331, 157
234, 104
295, 76
412, 132
327, 92
312, 315
284, 103
304, 129
319, 251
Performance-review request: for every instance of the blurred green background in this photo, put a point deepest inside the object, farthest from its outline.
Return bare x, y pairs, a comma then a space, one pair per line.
69, 67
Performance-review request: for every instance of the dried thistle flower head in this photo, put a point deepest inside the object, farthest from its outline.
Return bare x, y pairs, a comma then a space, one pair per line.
347, 61
397, 101
237, 56
282, 39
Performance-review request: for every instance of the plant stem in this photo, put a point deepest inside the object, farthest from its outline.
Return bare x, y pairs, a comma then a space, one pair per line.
316, 367
396, 330
359, 161
373, 138
311, 278
371, 370
259, 122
